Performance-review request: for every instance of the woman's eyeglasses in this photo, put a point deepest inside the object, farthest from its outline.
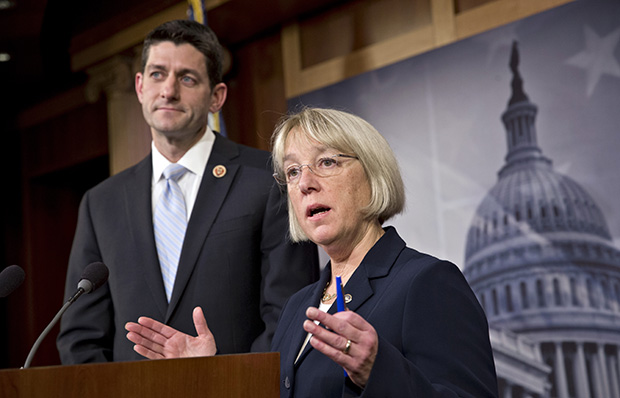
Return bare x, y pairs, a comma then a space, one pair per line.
324, 167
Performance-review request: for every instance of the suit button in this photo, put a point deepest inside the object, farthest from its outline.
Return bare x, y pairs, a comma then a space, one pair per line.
287, 383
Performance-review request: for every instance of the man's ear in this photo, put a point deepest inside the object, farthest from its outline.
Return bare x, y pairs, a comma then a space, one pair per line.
138, 84
218, 97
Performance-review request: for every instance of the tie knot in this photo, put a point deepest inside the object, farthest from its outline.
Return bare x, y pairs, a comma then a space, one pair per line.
174, 171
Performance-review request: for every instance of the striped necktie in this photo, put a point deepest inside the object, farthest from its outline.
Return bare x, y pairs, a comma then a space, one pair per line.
170, 223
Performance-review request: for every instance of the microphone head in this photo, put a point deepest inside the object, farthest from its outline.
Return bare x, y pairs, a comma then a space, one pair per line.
10, 279
94, 275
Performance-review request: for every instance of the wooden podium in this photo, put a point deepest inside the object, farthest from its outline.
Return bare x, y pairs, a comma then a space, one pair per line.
241, 375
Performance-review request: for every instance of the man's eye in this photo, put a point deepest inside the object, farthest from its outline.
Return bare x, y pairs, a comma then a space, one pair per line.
188, 80
156, 75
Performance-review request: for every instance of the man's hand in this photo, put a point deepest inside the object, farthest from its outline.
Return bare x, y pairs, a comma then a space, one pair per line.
154, 340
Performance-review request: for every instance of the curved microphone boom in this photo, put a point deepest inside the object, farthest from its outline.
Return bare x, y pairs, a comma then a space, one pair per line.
94, 275
10, 279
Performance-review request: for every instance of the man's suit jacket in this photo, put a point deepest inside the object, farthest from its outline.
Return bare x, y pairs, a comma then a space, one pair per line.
236, 262
433, 334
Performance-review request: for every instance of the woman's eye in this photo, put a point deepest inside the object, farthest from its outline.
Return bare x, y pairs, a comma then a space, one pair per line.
292, 172
327, 162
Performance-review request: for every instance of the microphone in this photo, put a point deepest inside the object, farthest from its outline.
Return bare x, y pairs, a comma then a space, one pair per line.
94, 275
10, 279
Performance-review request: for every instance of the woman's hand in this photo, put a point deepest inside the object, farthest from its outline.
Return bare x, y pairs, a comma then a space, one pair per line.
154, 340
357, 356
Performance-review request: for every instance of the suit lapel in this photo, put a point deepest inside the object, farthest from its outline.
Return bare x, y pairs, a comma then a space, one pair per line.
137, 201
210, 198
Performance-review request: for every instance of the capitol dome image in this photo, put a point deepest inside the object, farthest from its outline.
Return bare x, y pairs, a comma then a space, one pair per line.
541, 260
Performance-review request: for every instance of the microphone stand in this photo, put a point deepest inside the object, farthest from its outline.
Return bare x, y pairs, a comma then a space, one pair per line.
49, 327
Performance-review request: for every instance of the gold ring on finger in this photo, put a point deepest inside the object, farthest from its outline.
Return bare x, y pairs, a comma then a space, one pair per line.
347, 347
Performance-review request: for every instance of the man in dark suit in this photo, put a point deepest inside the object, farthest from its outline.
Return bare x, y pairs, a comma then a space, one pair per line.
235, 262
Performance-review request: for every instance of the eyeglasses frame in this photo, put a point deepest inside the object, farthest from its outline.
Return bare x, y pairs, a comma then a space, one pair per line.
283, 182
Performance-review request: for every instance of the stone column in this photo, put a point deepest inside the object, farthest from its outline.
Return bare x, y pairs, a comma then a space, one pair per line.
618, 362
581, 373
128, 134
604, 379
614, 386
561, 387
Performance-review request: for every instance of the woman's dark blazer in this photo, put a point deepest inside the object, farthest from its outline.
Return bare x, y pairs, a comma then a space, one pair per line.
433, 334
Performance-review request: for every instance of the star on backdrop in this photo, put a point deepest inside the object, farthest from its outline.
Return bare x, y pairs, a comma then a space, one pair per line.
598, 57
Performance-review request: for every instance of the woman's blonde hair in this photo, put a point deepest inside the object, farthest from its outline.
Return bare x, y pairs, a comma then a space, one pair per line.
348, 134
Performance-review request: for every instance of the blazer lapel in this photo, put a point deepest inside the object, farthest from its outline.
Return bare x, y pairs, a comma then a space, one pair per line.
296, 330
377, 263
209, 200
138, 211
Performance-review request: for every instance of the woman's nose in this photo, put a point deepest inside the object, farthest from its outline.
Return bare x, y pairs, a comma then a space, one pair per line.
308, 181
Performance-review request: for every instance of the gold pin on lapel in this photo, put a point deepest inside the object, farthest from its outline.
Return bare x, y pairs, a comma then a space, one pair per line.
348, 298
219, 171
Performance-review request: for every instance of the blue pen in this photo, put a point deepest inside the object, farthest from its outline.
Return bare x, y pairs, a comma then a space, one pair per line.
340, 302
339, 295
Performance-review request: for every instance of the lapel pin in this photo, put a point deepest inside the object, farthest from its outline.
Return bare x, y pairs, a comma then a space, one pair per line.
219, 171
348, 298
